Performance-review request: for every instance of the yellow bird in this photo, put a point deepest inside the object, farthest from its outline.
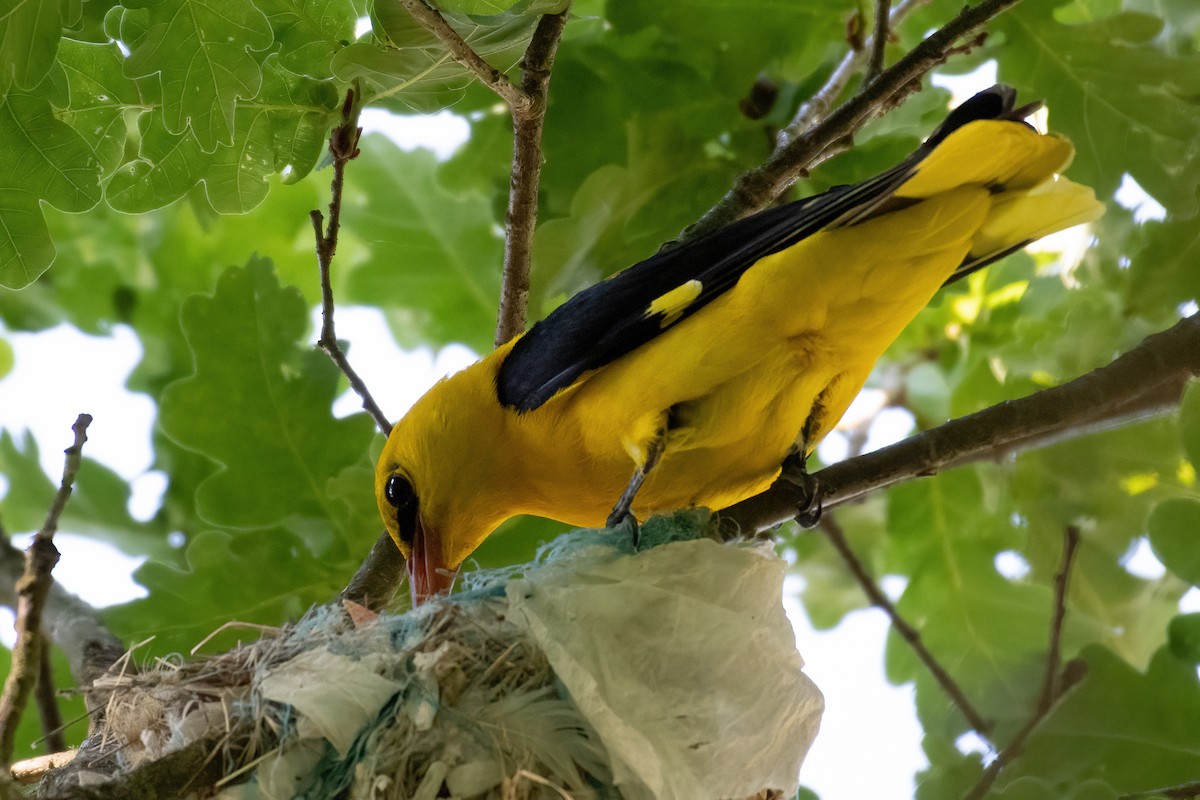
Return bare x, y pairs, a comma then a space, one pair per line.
705, 366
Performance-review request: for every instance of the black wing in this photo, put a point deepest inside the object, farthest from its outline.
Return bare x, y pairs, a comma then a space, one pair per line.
608, 320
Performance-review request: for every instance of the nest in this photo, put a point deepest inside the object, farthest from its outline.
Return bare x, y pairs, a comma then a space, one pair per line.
592, 673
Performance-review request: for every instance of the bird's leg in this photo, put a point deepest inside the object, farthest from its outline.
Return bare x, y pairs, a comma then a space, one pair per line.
621, 510
808, 510
795, 471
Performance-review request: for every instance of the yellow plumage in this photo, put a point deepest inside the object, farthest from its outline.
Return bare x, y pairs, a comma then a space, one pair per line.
733, 384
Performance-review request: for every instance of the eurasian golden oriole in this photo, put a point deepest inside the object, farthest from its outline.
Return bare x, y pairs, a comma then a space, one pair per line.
723, 355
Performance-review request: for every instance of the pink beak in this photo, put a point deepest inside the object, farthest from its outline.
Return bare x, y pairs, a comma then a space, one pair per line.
428, 575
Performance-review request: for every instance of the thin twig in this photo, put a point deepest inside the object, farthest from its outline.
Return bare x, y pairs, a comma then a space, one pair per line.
816, 107
521, 220
1053, 687
837, 537
1142, 383
32, 589
45, 697
879, 40
1050, 680
433, 21
343, 147
758, 187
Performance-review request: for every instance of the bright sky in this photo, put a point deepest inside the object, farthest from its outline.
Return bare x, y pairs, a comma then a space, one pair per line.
869, 745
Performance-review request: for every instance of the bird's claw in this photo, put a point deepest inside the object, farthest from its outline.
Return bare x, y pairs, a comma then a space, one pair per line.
808, 510
620, 517
809, 515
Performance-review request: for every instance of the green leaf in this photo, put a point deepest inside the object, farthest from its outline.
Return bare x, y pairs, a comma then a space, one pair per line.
475, 6
29, 32
352, 500
928, 394
1163, 263
1189, 422
258, 578
1128, 471
99, 505
731, 44
40, 158
99, 95
1127, 104
30, 492
259, 404
127, 25
309, 32
412, 70
1174, 529
1133, 731
283, 129
989, 627
299, 112
435, 258
107, 258
201, 50
167, 167
1183, 637
236, 178
1028, 788
99, 508
6, 358
85, 20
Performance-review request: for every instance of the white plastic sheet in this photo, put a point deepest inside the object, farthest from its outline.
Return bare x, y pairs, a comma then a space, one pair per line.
683, 661
336, 695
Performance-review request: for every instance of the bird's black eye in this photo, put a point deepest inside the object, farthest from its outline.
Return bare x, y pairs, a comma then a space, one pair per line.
398, 491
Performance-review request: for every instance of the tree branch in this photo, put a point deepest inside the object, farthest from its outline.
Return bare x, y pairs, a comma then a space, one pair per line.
374, 584
1183, 791
879, 40
32, 590
521, 220
47, 702
527, 104
72, 624
1053, 685
837, 537
762, 185
182, 773
1144, 382
816, 107
433, 21
343, 147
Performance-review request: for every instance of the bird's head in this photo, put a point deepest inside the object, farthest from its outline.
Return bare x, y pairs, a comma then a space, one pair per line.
438, 483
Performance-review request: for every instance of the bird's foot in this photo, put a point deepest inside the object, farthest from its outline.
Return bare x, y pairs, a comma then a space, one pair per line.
808, 509
623, 511
620, 517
